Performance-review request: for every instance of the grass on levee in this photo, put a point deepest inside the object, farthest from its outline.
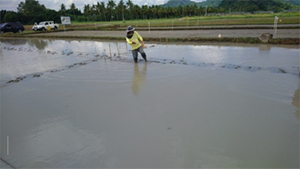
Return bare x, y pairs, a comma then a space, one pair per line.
220, 20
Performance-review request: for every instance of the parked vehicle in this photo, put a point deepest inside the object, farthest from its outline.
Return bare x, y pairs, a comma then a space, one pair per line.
11, 27
45, 25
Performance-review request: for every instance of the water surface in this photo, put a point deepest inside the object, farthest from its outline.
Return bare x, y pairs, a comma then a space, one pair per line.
85, 104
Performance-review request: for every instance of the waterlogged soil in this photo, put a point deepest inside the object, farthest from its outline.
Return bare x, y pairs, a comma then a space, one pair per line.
85, 104
213, 33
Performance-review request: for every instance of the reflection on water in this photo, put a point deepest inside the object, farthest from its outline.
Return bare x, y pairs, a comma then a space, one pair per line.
74, 104
264, 47
37, 57
14, 42
38, 43
139, 78
35, 43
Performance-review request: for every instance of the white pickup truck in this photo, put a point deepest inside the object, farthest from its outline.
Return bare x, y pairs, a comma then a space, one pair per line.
45, 25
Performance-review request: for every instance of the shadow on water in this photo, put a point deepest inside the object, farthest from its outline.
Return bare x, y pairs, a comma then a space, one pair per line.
139, 78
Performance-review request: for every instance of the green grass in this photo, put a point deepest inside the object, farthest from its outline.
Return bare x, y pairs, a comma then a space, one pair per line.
226, 20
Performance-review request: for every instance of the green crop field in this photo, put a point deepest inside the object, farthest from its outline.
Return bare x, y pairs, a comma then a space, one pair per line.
226, 20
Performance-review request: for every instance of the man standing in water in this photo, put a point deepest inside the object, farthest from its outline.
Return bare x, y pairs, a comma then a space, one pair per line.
136, 42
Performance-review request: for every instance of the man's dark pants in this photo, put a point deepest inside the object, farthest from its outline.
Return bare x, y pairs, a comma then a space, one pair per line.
135, 54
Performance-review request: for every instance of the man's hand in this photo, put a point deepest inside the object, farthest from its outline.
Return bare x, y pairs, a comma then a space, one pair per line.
143, 44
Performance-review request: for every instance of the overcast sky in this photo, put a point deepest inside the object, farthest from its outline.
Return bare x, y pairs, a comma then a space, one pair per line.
11, 5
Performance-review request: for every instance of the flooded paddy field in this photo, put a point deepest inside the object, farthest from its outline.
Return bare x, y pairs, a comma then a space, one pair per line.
85, 104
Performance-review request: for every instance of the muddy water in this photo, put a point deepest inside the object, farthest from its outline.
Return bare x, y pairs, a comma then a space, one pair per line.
84, 104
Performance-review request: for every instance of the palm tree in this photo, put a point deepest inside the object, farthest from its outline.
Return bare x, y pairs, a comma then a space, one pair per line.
110, 6
159, 11
201, 11
136, 10
62, 9
145, 11
101, 10
94, 12
194, 9
72, 8
120, 10
180, 11
86, 10
130, 7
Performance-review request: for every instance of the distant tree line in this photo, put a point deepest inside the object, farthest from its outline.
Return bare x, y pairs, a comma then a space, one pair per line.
29, 12
32, 11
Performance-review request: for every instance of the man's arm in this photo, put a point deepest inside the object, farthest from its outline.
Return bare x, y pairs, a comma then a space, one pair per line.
129, 41
140, 39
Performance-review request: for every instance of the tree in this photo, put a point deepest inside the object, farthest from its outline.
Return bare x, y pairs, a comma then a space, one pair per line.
130, 7
104, 10
120, 10
62, 9
110, 6
145, 11
94, 13
11, 16
136, 11
194, 10
2, 14
51, 15
30, 9
86, 11
101, 10
153, 10
179, 11
72, 8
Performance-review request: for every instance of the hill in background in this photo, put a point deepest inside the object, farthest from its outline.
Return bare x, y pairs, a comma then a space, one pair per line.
295, 2
176, 3
211, 3
255, 5
234, 3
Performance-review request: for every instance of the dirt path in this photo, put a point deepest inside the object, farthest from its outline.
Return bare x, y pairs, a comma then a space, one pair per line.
231, 33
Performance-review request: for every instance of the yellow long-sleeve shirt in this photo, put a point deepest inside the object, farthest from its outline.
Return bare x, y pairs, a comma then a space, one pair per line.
136, 37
